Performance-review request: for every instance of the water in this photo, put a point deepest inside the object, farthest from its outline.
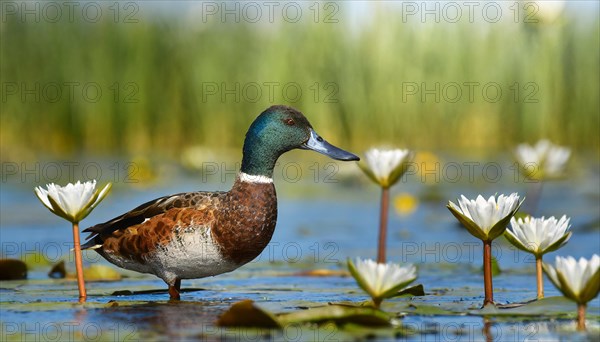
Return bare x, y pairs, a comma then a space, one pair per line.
317, 229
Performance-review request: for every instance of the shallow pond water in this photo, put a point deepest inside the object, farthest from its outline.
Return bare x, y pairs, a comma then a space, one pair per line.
318, 229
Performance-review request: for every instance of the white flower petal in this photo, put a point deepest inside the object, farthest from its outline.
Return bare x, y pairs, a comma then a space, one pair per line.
576, 273
102, 194
383, 162
380, 278
537, 234
556, 161
42, 194
73, 199
486, 213
546, 157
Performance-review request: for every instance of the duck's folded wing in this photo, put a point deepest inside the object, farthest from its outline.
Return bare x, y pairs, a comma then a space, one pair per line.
147, 211
172, 228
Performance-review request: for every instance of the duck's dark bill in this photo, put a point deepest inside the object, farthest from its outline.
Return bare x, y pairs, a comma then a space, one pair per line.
318, 144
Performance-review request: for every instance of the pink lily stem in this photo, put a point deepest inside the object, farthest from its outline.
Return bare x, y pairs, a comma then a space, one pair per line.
79, 263
581, 317
383, 218
540, 279
487, 273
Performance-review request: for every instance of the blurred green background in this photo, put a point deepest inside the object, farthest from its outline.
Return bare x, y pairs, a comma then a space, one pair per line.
151, 78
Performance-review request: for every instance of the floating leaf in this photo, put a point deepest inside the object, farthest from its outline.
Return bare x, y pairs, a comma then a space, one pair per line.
367, 303
340, 314
246, 314
12, 269
416, 290
424, 309
549, 306
58, 271
112, 304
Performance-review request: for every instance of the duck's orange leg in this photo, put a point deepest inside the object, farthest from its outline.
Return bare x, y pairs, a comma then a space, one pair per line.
175, 289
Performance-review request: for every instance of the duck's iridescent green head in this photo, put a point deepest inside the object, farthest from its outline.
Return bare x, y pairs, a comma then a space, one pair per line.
278, 130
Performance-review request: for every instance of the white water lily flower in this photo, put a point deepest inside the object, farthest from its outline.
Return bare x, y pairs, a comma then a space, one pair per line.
385, 167
72, 202
544, 160
486, 219
539, 235
577, 280
381, 281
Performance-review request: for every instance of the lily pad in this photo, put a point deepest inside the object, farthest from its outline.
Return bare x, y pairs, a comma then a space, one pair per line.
419, 309
58, 271
246, 314
339, 314
415, 291
549, 306
12, 269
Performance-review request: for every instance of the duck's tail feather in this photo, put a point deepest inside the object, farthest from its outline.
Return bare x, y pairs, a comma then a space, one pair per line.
92, 243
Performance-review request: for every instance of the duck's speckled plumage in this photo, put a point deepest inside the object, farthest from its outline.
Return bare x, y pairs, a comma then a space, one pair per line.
239, 224
200, 234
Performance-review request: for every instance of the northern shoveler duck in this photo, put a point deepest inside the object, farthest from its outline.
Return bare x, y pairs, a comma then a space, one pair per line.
199, 234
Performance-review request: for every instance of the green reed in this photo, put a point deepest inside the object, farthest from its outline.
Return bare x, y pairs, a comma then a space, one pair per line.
157, 79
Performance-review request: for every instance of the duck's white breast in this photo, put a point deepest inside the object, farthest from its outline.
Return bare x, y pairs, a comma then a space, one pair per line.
193, 253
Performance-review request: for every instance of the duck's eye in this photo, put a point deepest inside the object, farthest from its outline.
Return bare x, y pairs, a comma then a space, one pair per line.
289, 122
